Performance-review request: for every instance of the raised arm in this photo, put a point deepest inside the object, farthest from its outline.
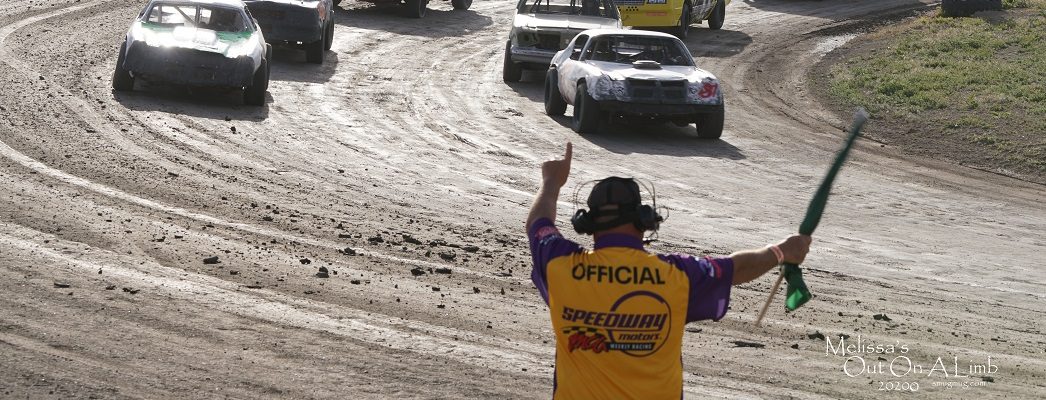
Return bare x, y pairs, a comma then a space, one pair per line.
751, 264
554, 175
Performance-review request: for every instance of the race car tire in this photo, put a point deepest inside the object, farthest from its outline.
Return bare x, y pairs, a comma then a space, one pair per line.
555, 106
254, 95
586, 111
510, 71
715, 22
710, 126
684, 23
417, 8
328, 35
122, 79
315, 51
461, 5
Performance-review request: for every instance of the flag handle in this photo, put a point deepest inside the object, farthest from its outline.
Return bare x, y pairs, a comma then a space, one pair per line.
770, 299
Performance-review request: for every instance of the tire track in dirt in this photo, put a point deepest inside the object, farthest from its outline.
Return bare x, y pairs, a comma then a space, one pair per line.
278, 308
431, 143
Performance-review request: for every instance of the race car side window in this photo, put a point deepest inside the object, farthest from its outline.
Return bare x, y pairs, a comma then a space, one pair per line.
155, 14
222, 20
579, 44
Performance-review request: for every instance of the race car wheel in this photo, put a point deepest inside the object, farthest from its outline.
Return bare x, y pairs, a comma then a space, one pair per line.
417, 8
254, 95
555, 106
710, 126
684, 23
718, 15
122, 79
328, 35
586, 111
314, 51
461, 4
510, 71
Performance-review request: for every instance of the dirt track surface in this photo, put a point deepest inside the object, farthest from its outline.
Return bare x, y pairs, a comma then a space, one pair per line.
407, 148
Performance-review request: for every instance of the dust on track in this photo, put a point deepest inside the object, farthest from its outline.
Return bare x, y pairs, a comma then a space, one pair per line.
407, 130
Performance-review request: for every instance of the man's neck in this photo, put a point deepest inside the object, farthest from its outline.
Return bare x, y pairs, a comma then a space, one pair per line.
626, 229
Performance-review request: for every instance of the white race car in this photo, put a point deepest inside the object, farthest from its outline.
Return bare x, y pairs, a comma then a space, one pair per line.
540, 28
640, 75
203, 43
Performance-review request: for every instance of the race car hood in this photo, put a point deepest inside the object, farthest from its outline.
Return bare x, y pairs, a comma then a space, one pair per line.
617, 72
564, 22
229, 44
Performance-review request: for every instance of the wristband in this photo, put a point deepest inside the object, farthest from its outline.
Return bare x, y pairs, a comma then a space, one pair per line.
778, 253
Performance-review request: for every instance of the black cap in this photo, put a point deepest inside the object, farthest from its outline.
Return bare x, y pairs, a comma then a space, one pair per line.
622, 192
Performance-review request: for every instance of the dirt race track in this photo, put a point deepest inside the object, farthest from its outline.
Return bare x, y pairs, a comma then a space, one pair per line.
407, 148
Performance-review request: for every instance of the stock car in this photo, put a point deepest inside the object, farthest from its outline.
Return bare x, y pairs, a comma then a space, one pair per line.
540, 28
199, 43
638, 75
675, 15
304, 24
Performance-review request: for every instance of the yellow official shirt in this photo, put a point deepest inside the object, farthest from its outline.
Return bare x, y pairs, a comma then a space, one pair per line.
618, 312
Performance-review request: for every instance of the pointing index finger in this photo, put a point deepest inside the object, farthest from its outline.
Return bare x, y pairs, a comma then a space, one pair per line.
570, 152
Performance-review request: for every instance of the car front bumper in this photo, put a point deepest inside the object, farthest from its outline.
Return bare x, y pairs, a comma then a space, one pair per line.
649, 110
532, 55
187, 66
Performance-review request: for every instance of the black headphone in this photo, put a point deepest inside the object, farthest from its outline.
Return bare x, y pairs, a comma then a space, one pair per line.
643, 217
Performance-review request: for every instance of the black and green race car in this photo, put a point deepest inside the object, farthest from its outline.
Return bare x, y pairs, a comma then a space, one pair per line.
303, 24
200, 43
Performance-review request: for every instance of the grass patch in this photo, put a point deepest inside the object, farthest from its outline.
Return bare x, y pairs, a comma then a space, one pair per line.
978, 81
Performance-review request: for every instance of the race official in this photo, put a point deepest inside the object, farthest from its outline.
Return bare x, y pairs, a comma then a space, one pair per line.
618, 311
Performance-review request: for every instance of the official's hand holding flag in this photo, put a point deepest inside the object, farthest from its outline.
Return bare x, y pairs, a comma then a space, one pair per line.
797, 292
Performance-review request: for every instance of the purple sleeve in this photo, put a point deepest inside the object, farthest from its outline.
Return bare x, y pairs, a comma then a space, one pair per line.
710, 283
546, 243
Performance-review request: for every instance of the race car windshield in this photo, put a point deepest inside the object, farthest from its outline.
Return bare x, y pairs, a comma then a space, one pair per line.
627, 49
197, 16
592, 8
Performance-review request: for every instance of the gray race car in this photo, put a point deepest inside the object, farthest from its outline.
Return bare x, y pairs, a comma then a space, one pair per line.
304, 24
201, 43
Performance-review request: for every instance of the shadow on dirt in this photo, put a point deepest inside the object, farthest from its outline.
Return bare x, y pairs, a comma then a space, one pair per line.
436, 23
288, 64
660, 139
835, 10
198, 102
624, 138
716, 43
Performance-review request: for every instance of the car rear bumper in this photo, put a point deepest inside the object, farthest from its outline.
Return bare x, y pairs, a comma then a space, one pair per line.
283, 23
649, 15
657, 110
187, 66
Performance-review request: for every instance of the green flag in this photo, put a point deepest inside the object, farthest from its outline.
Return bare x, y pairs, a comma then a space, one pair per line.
797, 292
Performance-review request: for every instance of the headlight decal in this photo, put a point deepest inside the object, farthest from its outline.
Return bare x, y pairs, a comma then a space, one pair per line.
704, 92
606, 88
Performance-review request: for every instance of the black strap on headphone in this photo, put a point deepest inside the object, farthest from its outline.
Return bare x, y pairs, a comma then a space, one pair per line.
644, 217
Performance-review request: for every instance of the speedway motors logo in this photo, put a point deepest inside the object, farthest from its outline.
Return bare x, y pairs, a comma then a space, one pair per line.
637, 324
